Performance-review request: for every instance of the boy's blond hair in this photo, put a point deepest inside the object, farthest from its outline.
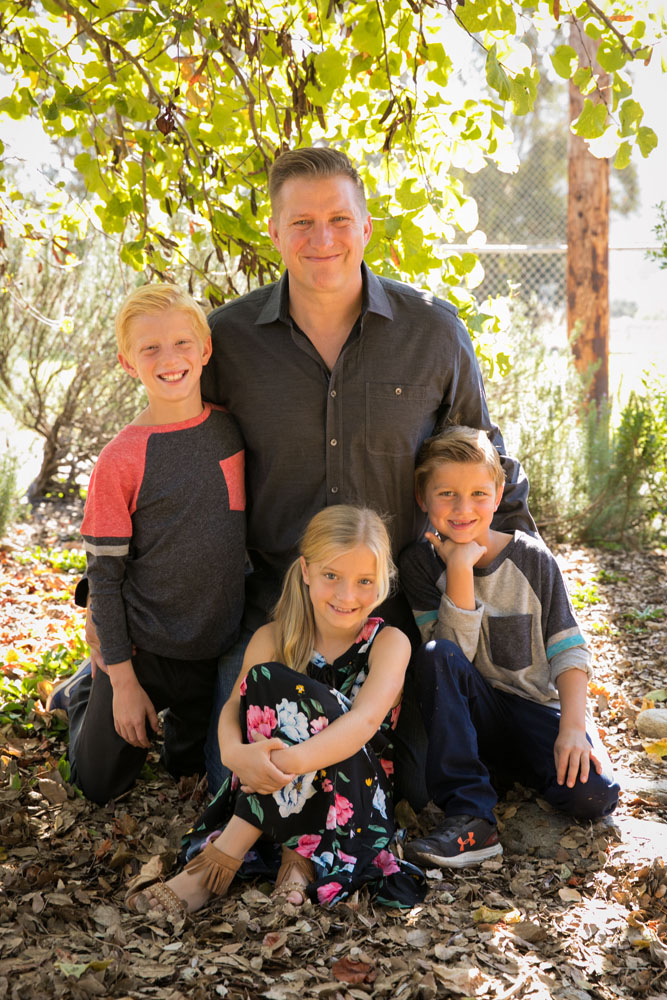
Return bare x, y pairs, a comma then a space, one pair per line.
157, 298
456, 444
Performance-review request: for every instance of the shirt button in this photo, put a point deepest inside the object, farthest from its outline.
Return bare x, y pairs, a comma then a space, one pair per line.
398, 390
333, 442
333, 393
334, 489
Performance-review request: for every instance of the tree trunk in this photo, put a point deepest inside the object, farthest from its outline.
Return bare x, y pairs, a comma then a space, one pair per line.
588, 236
51, 455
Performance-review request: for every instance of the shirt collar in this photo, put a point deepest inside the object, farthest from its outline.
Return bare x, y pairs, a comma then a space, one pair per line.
374, 299
374, 296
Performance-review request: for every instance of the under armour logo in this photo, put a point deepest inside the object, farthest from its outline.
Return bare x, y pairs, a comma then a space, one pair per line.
470, 840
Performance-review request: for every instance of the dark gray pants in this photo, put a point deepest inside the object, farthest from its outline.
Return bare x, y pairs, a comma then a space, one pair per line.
103, 764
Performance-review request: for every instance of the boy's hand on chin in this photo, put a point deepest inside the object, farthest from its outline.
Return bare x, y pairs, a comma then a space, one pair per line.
463, 554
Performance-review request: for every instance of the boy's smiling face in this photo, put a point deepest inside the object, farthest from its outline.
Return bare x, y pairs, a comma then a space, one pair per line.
167, 357
460, 499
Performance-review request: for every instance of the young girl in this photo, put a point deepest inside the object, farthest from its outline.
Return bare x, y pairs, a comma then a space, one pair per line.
306, 734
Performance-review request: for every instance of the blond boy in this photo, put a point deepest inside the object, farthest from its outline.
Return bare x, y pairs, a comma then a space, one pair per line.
164, 532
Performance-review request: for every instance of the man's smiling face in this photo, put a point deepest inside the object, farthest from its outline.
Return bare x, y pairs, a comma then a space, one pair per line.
321, 229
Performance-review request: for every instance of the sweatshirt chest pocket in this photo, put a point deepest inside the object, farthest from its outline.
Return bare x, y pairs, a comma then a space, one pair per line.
394, 417
509, 641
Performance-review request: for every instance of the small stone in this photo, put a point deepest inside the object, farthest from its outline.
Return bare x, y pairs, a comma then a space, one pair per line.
652, 723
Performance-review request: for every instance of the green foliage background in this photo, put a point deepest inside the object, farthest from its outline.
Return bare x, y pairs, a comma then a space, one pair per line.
176, 111
171, 114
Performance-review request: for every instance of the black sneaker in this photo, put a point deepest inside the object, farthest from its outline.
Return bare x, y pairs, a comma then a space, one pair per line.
62, 691
460, 841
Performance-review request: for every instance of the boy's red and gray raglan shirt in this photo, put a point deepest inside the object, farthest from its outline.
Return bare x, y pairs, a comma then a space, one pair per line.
164, 533
522, 633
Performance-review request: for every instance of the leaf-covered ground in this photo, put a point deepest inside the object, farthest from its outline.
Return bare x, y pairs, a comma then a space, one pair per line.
572, 911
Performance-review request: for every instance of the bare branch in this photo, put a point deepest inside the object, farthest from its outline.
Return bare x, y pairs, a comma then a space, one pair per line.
612, 27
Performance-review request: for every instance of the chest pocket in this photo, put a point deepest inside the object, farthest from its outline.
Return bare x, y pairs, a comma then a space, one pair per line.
509, 641
394, 417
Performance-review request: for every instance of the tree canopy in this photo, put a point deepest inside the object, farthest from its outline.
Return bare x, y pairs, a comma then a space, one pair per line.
176, 110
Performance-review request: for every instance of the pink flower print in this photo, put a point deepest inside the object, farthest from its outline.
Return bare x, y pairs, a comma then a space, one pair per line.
308, 844
235, 782
327, 786
318, 724
395, 712
260, 721
368, 629
347, 859
386, 862
325, 893
244, 686
387, 766
340, 813
344, 810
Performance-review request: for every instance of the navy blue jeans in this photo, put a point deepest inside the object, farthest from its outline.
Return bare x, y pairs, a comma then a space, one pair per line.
471, 726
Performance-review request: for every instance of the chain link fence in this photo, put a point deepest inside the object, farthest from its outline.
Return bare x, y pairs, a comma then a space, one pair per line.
524, 218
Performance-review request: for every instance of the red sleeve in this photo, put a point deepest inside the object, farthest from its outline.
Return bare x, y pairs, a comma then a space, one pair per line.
115, 484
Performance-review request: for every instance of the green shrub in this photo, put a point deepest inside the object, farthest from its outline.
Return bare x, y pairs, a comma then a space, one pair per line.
62, 560
593, 478
629, 483
7, 492
539, 407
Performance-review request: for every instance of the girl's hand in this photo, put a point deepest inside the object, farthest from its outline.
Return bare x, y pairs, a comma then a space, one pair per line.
255, 769
573, 755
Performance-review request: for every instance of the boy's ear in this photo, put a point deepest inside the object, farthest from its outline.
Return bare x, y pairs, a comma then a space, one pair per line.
304, 571
127, 366
499, 495
420, 502
207, 351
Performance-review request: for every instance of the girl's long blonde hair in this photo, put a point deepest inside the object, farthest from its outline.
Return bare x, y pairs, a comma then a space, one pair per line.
330, 533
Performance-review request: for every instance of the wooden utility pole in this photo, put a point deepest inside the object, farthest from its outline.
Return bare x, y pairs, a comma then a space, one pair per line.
588, 234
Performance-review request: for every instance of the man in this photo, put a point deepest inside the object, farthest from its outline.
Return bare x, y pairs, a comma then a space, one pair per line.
336, 377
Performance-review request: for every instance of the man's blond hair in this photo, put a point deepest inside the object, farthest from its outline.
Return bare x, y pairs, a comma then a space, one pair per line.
156, 298
312, 162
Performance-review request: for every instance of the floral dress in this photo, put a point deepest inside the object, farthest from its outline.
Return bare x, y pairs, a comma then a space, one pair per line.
340, 817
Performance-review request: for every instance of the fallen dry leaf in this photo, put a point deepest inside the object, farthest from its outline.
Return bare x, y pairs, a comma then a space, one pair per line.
346, 970
657, 748
60, 891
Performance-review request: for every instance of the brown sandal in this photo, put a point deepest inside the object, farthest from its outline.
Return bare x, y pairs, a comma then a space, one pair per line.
142, 900
216, 868
292, 862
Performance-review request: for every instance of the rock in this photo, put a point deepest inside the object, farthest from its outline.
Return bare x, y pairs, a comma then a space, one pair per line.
652, 723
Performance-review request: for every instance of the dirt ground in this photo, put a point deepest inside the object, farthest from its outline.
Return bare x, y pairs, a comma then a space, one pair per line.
572, 911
